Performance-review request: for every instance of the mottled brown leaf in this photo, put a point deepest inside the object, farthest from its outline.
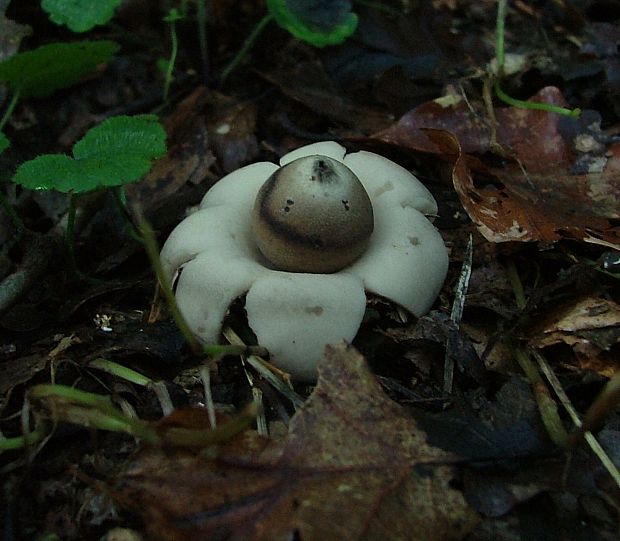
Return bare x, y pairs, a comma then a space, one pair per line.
591, 326
455, 116
354, 466
533, 137
538, 196
510, 204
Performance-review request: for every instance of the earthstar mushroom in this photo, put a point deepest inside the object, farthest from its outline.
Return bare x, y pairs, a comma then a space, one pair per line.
312, 215
227, 249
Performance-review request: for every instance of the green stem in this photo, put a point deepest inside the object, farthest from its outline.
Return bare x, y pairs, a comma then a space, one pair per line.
546, 405
19, 442
120, 199
550, 108
499, 35
191, 437
115, 369
500, 26
152, 250
173, 57
217, 350
89, 409
247, 45
9, 109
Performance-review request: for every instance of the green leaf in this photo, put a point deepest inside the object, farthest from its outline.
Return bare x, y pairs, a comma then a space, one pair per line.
316, 22
4, 142
42, 71
162, 64
80, 15
173, 16
117, 151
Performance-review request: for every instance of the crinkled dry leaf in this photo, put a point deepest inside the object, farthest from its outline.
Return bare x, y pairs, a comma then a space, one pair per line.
509, 204
354, 466
451, 114
539, 196
539, 140
203, 127
590, 326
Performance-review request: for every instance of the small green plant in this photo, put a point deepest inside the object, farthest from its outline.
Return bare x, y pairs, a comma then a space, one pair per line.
116, 152
172, 18
80, 15
313, 21
51, 404
499, 54
316, 23
45, 70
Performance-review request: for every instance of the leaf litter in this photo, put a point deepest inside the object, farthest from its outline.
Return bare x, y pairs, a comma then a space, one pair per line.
352, 457
399, 460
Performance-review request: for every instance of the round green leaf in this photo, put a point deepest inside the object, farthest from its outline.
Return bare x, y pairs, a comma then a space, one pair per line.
42, 71
316, 22
80, 15
117, 151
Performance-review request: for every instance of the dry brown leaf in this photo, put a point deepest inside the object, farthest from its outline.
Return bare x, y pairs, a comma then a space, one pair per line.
454, 115
536, 197
535, 138
206, 125
509, 204
354, 466
590, 326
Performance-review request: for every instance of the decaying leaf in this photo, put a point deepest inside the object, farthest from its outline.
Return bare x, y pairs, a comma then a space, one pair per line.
546, 193
590, 326
513, 205
308, 83
232, 130
203, 128
354, 466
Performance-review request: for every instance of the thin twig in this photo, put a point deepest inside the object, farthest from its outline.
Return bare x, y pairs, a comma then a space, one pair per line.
596, 447
456, 316
205, 375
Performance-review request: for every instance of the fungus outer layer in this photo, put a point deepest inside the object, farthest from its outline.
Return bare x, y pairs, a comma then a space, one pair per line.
294, 315
312, 215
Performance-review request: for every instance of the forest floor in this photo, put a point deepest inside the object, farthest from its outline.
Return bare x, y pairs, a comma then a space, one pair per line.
460, 424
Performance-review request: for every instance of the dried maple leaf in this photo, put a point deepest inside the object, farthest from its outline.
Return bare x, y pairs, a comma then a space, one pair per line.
354, 466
